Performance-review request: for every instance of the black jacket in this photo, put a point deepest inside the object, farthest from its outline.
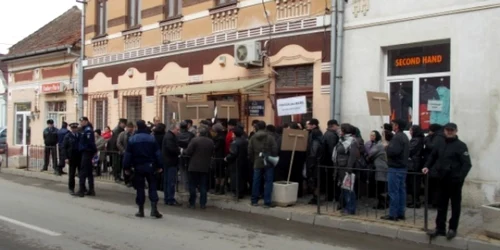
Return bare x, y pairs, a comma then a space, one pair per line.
114, 139
330, 140
398, 151
184, 138
170, 150
238, 154
50, 136
219, 146
450, 160
314, 149
416, 154
70, 146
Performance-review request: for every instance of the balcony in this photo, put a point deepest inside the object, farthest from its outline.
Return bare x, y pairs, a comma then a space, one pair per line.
290, 9
100, 47
132, 39
171, 30
224, 17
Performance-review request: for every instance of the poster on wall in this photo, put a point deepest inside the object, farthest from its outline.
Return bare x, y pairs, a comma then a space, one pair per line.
256, 108
292, 106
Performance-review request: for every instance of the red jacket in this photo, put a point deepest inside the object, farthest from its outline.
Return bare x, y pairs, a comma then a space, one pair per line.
229, 139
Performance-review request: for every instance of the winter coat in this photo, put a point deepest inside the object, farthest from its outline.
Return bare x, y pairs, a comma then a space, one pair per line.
114, 138
398, 151
100, 143
238, 154
450, 160
219, 146
432, 142
122, 141
352, 155
70, 146
314, 154
50, 136
170, 150
200, 152
378, 157
415, 160
261, 142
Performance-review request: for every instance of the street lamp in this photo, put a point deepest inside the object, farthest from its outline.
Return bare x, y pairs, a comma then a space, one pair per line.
79, 88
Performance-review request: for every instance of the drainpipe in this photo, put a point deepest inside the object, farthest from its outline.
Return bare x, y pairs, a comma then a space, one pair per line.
79, 86
338, 58
333, 58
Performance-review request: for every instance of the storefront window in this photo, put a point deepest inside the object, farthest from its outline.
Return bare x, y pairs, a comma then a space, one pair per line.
434, 102
401, 97
57, 112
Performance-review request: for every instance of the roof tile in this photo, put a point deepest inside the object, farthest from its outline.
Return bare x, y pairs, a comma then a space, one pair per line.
64, 30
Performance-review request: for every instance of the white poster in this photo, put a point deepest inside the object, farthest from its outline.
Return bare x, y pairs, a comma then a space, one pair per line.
292, 106
435, 105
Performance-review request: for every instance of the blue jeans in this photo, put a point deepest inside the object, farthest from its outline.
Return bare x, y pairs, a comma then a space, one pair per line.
198, 180
169, 184
268, 185
396, 180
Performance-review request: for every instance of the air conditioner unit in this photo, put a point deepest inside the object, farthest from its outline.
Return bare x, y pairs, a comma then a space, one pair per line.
248, 54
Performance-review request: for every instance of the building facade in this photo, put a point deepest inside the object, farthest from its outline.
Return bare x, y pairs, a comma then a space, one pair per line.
143, 57
182, 59
3, 92
431, 59
42, 73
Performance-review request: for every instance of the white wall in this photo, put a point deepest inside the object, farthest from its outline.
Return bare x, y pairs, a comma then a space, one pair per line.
475, 74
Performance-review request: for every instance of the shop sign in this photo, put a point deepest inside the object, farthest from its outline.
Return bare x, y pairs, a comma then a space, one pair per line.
292, 106
435, 105
419, 60
49, 88
256, 108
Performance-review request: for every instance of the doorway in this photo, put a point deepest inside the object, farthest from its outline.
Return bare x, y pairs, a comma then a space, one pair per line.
282, 120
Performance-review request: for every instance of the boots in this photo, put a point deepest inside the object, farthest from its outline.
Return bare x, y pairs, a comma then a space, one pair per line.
154, 211
140, 214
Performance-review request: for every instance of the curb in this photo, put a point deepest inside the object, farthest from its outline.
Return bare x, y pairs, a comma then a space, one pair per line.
352, 225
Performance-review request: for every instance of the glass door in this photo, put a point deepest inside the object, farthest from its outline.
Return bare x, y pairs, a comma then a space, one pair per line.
402, 104
23, 129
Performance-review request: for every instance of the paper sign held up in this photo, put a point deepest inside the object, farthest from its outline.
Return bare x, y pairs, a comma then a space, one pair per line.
378, 103
292, 106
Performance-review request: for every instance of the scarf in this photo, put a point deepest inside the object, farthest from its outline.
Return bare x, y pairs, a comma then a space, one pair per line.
346, 142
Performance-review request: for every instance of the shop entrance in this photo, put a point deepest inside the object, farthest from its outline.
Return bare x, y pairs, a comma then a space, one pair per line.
282, 120
22, 131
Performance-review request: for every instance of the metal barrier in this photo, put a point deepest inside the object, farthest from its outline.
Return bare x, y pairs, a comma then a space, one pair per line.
41, 157
371, 196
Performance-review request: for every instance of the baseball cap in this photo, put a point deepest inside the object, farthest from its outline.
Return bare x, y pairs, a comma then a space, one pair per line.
451, 125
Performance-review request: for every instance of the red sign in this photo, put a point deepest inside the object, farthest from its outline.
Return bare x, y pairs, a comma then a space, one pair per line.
48, 88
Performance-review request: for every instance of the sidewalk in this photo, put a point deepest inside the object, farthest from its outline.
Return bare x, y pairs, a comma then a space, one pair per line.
366, 221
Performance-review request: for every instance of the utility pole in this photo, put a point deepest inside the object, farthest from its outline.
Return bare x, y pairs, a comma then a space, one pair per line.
333, 57
79, 88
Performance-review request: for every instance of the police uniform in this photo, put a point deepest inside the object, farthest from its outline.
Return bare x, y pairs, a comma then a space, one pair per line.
143, 153
87, 149
70, 152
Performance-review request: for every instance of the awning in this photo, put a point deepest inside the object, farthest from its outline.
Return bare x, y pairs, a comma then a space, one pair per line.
240, 86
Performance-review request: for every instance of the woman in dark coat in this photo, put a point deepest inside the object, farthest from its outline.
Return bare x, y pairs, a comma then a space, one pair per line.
237, 160
159, 133
219, 165
415, 164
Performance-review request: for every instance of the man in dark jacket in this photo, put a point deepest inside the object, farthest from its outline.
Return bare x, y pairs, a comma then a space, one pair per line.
398, 152
87, 149
433, 140
113, 150
143, 154
200, 150
262, 144
61, 133
313, 156
71, 155
50, 139
170, 152
452, 163
330, 140
183, 140
238, 162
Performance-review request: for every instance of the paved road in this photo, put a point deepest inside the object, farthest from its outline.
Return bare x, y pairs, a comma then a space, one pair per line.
39, 214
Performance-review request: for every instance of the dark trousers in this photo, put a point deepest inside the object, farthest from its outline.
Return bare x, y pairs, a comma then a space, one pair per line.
74, 163
268, 184
380, 189
198, 180
414, 187
86, 171
169, 184
61, 164
48, 151
449, 190
296, 176
142, 174
117, 165
432, 197
237, 181
396, 180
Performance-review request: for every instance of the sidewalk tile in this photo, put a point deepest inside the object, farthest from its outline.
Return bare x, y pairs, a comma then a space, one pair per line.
482, 245
457, 243
303, 217
412, 235
382, 230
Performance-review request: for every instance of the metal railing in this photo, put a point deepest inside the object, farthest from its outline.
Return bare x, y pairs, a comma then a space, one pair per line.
372, 198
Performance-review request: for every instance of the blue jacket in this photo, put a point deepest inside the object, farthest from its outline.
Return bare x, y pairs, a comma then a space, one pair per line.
60, 136
142, 150
87, 140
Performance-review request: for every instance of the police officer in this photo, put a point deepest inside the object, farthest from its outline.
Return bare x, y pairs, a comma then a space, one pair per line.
451, 162
70, 154
87, 149
143, 153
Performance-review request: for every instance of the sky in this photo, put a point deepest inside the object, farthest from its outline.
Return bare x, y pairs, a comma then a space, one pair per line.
20, 18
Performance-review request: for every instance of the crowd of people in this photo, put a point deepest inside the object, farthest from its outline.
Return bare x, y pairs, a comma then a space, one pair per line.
222, 157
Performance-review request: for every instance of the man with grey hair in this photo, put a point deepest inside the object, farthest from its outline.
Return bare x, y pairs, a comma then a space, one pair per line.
200, 150
171, 152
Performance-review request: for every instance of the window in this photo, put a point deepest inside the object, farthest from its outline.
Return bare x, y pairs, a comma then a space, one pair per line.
133, 108
294, 76
101, 17
134, 13
57, 112
221, 2
419, 85
100, 113
173, 8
